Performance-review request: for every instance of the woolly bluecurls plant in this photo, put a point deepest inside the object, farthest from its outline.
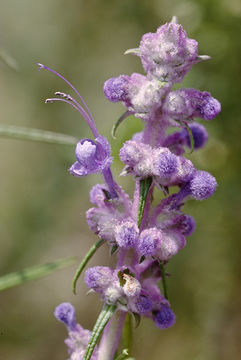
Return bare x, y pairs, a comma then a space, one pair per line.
143, 237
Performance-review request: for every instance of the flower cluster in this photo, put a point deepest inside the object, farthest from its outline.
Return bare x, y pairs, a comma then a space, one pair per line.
145, 237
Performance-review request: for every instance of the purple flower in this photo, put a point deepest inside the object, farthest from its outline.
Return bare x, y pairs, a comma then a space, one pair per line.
165, 163
98, 278
172, 242
65, 312
143, 305
185, 104
92, 157
98, 194
202, 186
77, 343
115, 89
199, 133
168, 54
126, 234
150, 241
164, 318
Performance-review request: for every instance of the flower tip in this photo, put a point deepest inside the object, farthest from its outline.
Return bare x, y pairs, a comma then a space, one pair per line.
48, 101
135, 51
40, 66
203, 57
174, 20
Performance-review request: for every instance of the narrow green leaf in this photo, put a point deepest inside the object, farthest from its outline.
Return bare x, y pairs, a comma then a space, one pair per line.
7, 59
145, 185
123, 355
35, 272
104, 317
191, 137
164, 282
84, 262
118, 122
23, 133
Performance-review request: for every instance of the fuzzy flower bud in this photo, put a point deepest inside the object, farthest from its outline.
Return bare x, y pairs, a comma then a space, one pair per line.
115, 89
165, 164
149, 242
143, 305
172, 242
164, 318
65, 313
199, 133
98, 278
138, 158
168, 54
185, 104
202, 186
126, 234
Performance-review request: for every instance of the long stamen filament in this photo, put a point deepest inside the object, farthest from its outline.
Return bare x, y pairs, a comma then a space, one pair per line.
80, 110
91, 121
70, 98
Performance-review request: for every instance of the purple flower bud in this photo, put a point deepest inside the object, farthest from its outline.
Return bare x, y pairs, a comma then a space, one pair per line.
184, 104
115, 89
164, 163
202, 186
164, 318
176, 142
185, 224
126, 234
168, 54
65, 313
92, 157
149, 242
138, 157
98, 278
103, 221
130, 153
143, 305
172, 242
200, 136
185, 172
145, 95
97, 194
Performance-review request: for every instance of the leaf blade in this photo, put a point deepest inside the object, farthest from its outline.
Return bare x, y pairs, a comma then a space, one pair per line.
145, 185
22, 133
20, 277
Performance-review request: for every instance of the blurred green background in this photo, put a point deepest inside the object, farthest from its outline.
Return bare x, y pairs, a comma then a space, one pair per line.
42, 212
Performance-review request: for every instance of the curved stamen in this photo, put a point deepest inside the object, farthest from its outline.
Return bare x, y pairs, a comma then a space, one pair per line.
91, 119
70, 98
80, 110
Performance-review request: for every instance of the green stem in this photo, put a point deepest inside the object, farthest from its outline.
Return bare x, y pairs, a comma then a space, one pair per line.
127, 333
164, 283
84, 262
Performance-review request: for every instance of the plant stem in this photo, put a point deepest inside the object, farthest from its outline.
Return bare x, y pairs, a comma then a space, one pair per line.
111, 336
164, 283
